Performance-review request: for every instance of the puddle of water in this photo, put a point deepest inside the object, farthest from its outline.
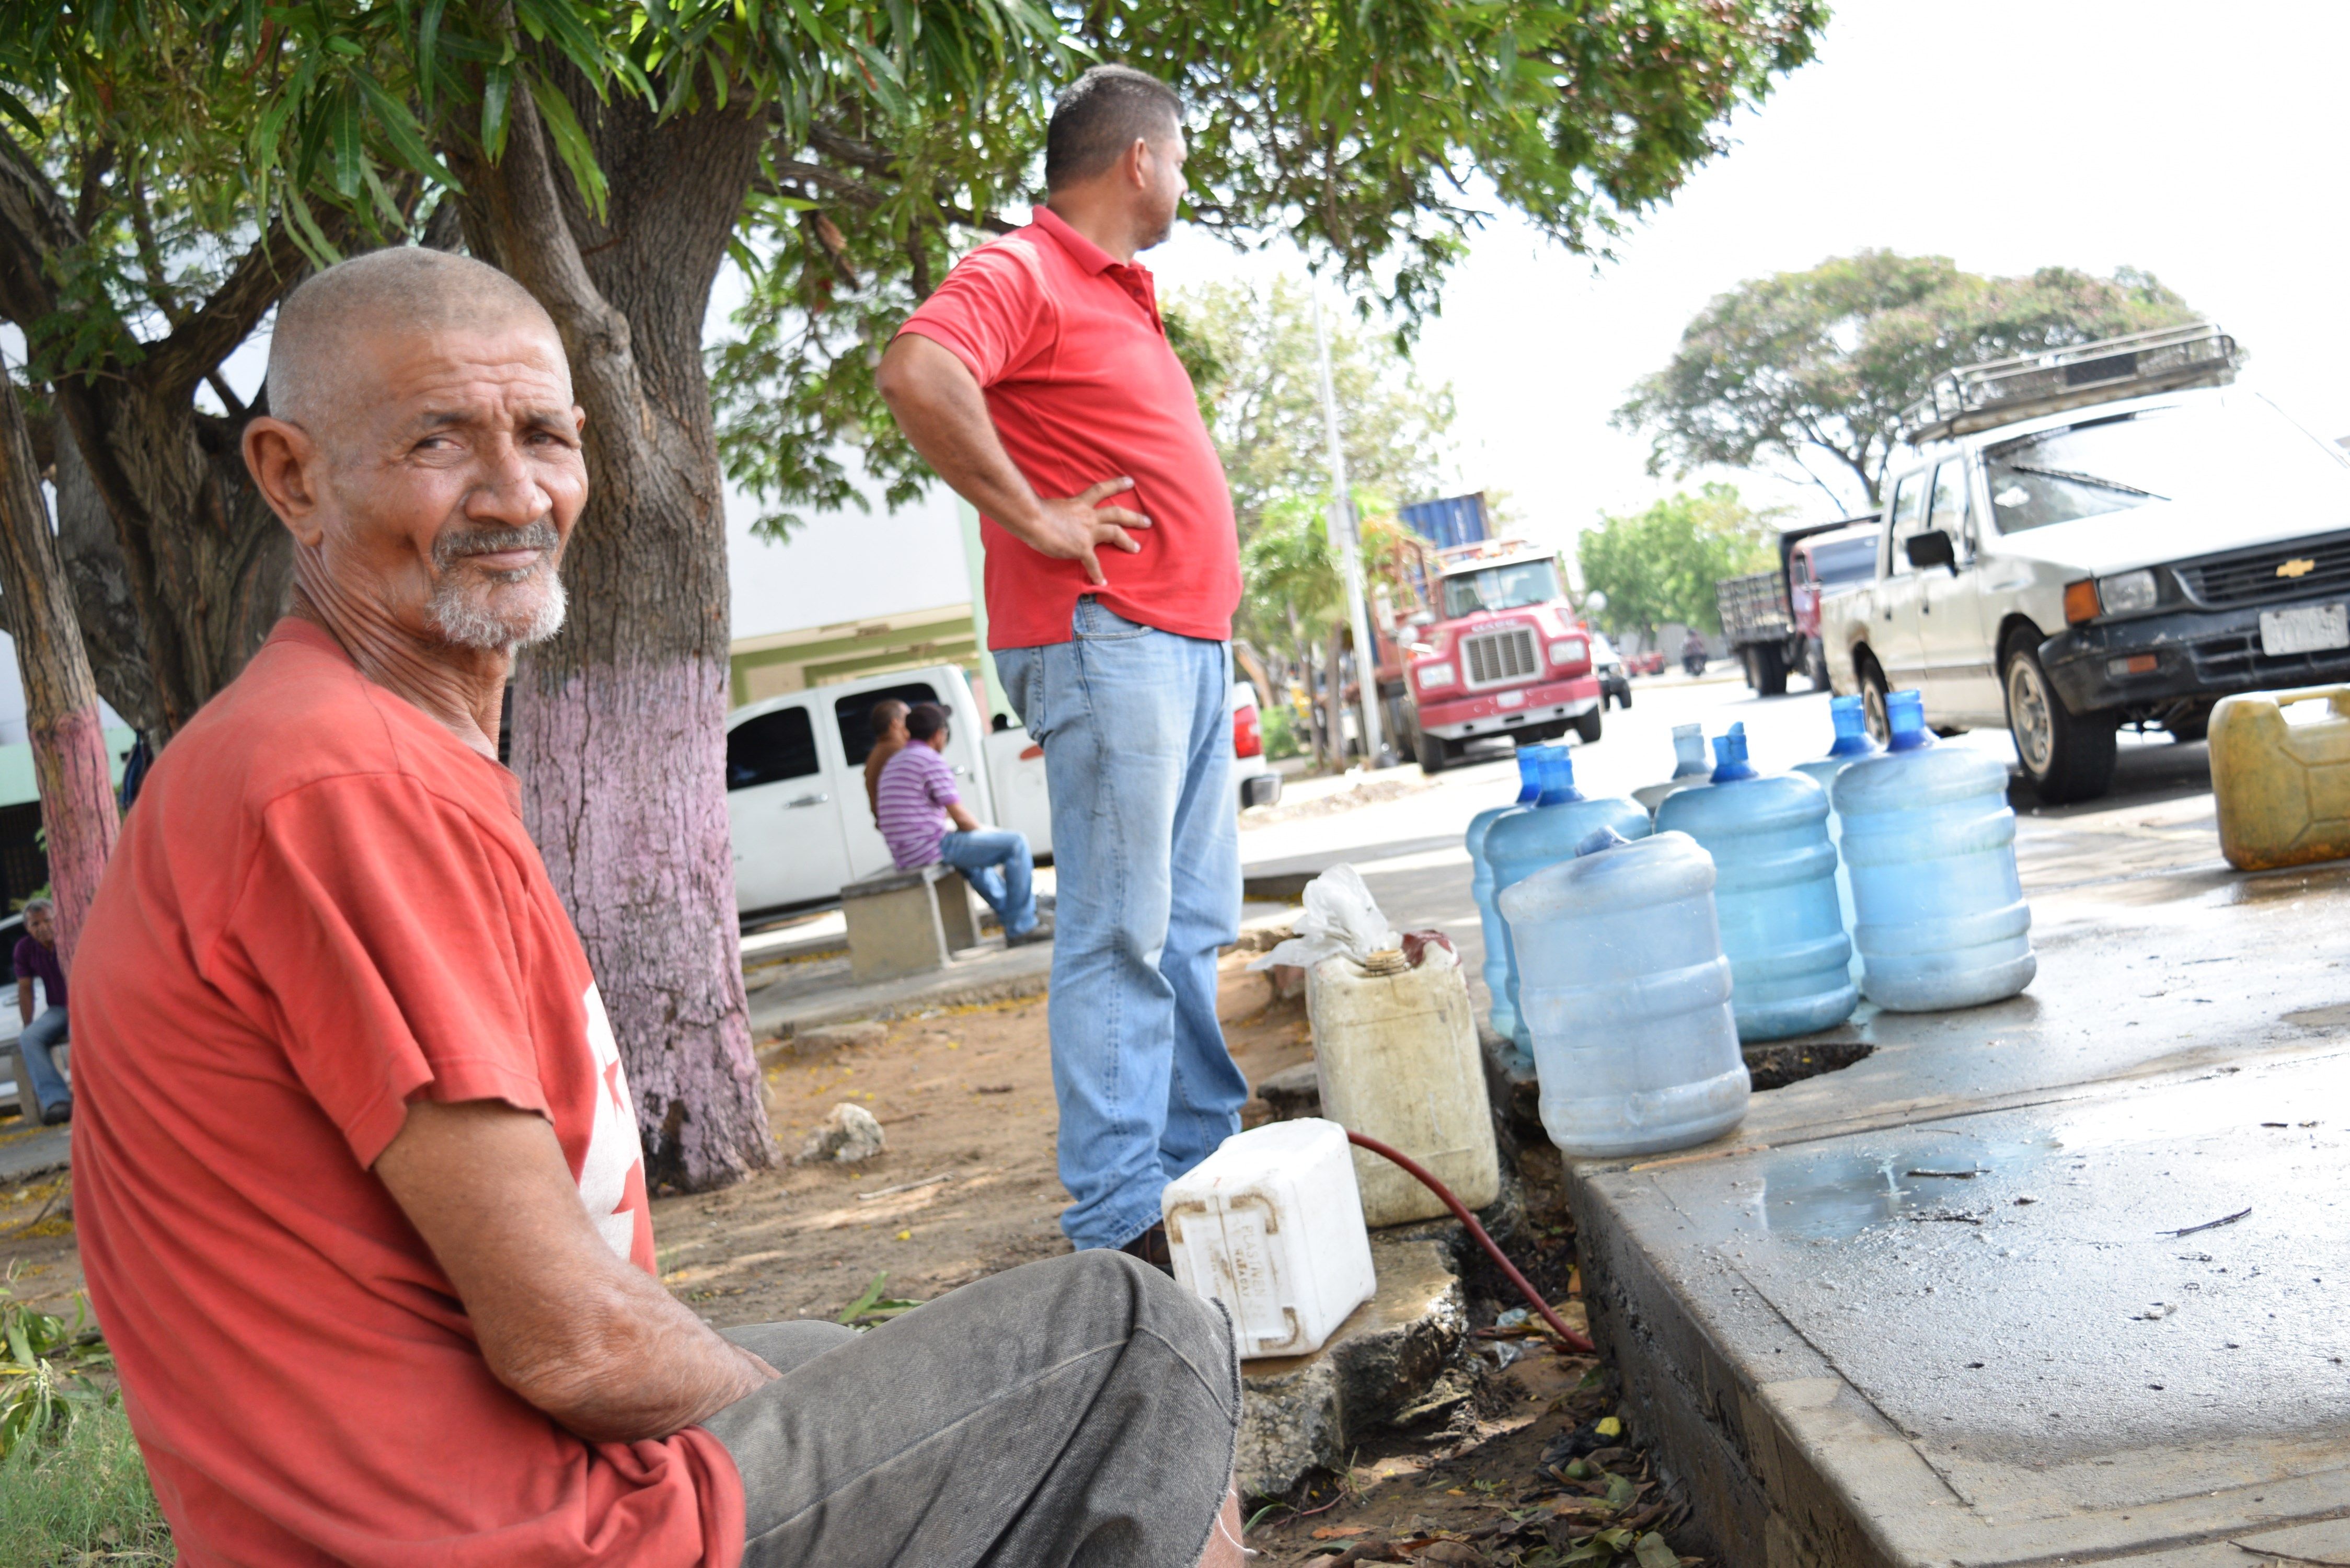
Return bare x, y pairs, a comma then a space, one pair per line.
1836, 1196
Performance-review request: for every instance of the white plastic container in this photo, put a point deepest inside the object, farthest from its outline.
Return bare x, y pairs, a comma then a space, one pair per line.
1271, 1226
1624, 987
1394, 1047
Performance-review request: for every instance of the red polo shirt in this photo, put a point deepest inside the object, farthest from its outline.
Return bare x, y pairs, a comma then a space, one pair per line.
1082, 385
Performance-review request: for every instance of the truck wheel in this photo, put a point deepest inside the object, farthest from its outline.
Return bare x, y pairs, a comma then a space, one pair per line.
1587, 728
1433, 756
1872, 696
2067, 756
1816, 666
1767, 669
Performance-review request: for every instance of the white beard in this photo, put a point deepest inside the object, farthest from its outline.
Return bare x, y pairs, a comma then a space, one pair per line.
470, 613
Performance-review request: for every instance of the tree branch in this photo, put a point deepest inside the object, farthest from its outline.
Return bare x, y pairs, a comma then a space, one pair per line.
35, 225
261, 278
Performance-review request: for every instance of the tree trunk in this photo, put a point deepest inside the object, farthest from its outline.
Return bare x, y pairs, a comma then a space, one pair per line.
1336, 697
77, 782
620, 721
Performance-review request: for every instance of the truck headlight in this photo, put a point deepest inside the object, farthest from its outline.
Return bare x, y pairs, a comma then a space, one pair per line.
2127, 592
1433, 676
1569, 651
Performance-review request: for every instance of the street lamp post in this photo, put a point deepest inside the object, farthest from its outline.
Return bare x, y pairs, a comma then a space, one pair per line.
1347, 542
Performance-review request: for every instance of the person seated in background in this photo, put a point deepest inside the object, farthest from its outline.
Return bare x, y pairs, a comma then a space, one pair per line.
888, 723
924, 820
36, 959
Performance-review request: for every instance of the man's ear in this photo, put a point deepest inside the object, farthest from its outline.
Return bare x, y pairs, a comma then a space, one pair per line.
1135, 164
286, 464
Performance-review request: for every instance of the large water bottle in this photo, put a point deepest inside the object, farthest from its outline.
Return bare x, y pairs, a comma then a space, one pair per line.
1775, 890
1496, 970
1689, 767
1853, 743
1543, 835
1628, 997
1929, 840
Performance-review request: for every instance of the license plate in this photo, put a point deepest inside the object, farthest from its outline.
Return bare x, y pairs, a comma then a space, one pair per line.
1518, 699
2310, 630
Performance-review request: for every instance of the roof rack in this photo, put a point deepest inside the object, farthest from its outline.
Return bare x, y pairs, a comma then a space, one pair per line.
1980, 397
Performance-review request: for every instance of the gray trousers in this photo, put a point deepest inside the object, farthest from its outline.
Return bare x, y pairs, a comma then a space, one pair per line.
1080, 1411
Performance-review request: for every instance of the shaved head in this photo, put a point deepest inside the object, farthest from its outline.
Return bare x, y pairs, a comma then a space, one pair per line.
407, 289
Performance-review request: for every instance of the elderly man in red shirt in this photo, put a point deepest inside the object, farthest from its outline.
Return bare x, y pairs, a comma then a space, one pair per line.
341, 1054
1039, 384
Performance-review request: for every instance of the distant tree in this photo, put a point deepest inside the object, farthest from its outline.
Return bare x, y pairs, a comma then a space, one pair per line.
1819, 365
1660, 564
1252, 349
1293, 590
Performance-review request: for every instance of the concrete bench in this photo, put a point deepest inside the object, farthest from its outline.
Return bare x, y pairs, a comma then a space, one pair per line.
16, 1090
907, 922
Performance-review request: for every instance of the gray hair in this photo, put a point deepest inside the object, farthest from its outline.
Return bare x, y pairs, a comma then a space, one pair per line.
46, 904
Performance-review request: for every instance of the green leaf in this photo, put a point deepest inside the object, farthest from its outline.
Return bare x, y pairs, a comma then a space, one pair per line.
497, 92
570, 140
858, 1307
407, 138
343, 128
13, 107
1653, 1552
1620, 1492
428, 34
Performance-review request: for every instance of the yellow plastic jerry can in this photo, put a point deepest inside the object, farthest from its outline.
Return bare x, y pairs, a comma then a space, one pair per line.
2284, 790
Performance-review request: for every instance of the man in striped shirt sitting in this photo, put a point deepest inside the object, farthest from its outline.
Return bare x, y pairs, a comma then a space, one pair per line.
917, 802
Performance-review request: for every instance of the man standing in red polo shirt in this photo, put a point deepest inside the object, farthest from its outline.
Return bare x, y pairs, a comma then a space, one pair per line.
1039, 384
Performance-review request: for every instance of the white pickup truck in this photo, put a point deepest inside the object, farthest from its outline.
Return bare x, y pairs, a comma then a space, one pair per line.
2107, 535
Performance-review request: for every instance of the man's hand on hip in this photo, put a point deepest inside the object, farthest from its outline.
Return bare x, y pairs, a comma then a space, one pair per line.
1073, 528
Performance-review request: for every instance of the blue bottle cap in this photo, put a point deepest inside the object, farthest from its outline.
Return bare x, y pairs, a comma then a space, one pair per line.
1730, 756
1904, 715
1559, 778
1599, 839
1851, 720
1530, 764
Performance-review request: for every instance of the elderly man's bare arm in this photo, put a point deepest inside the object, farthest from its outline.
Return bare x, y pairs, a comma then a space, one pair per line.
939, 405
562, 1320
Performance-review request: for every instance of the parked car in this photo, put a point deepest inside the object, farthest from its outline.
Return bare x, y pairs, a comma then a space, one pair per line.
2095, 536
1258, 784
1651, 662
1615, 685
796, 783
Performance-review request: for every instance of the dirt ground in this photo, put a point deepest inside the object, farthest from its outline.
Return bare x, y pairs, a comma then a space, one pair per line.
967, 1187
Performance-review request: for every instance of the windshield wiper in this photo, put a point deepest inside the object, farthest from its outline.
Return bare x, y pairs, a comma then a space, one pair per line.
2077, 477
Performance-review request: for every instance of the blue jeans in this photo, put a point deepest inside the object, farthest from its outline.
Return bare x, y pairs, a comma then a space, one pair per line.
995, 862
42, 1035
1145, 849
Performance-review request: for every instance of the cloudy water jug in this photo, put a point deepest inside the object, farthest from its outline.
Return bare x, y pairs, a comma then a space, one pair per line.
1930, 841
1496, 967
1271, 1226
1852, 741
1774, 889
1545, 834
1627, 994
1689, 767
1395, 1048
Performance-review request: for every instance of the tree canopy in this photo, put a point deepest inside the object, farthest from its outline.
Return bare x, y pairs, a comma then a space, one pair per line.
1379, 138
1660, 564
1815, 368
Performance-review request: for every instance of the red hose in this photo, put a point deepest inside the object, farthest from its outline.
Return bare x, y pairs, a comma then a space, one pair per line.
1459, 1212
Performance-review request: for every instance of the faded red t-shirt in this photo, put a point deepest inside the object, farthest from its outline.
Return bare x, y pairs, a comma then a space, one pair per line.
1083, 387
325, 907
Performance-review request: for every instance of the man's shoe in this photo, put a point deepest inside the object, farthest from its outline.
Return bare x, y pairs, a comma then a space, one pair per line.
1151, 1248
60, 1112
1042, 931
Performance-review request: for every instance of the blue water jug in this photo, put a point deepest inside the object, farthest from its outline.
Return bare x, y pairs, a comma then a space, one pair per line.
1496, 970
1547, 832
1852, 741
1929, 840
1628, 997
1774, 889
1689, 767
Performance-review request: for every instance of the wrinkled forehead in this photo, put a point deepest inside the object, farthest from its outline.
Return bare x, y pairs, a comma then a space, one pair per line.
511, 374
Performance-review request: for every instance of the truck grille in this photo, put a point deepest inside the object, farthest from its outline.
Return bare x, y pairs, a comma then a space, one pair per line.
1499, 658
2301, 570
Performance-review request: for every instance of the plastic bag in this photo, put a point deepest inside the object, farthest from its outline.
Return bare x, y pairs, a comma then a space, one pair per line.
1341, 916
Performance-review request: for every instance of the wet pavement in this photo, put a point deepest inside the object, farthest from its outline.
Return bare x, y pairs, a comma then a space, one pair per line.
2053, 1280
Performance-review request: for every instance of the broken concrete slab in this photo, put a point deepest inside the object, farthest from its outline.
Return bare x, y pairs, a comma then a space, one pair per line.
27, 1152
1948, 1306
1302, 1413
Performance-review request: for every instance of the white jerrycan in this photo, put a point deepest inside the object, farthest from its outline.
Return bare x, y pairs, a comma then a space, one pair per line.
1271, 1226
1394, 1047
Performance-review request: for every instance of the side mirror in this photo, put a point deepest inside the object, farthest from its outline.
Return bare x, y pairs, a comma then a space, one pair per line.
1931, 549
